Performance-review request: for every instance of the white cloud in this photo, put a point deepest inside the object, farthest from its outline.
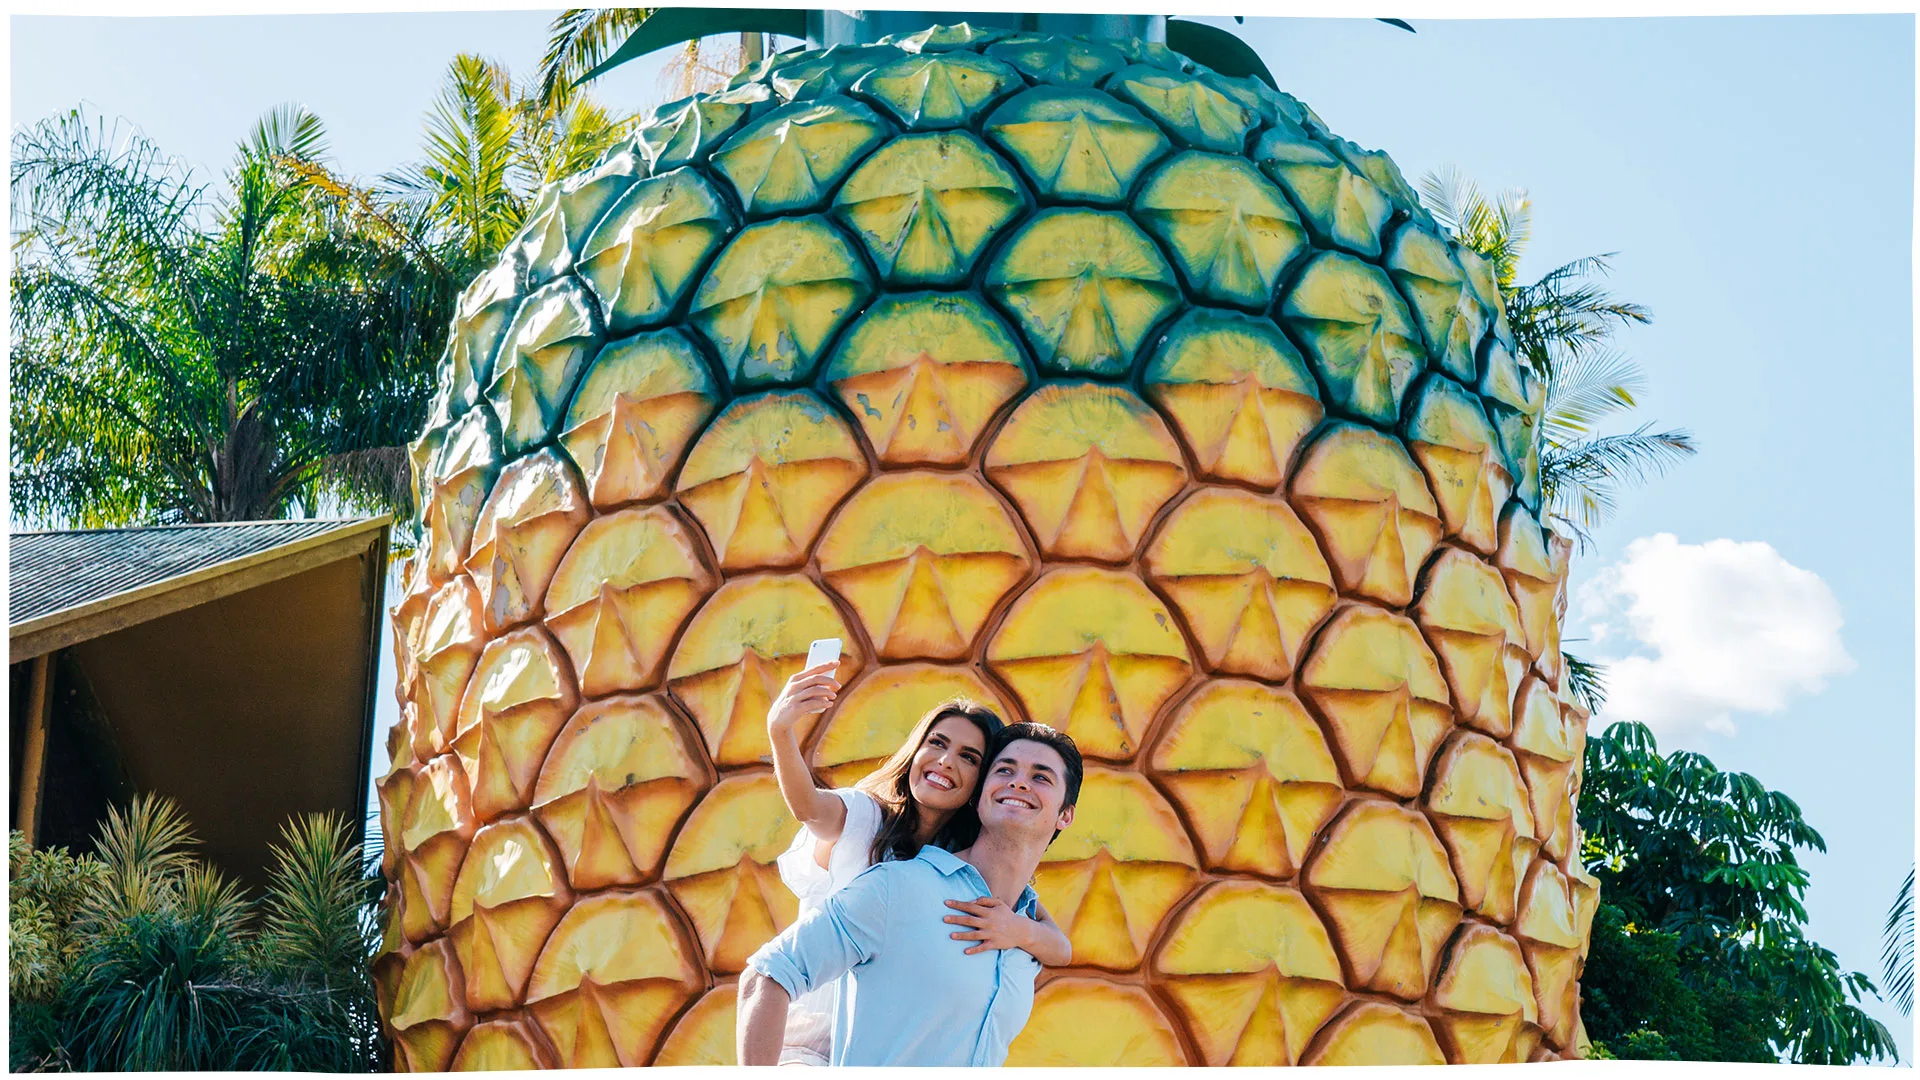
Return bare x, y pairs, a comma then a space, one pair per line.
1693, 634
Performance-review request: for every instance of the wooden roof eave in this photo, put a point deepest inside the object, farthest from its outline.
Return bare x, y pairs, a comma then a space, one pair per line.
59, 629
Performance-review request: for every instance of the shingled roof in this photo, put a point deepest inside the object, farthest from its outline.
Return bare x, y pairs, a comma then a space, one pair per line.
58, 571
66, 587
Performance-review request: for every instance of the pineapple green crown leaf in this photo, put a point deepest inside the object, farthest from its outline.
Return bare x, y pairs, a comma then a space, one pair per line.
661, 28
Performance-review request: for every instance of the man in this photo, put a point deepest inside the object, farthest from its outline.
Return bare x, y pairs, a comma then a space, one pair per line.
915, 997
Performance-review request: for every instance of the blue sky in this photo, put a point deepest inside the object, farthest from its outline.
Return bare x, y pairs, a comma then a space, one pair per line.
1755, 176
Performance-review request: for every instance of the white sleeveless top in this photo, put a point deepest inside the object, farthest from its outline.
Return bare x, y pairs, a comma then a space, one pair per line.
809, 1034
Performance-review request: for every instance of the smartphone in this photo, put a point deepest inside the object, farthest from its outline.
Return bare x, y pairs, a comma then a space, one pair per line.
822, 651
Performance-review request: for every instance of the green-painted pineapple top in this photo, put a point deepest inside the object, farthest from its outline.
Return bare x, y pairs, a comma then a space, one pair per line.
1095, 205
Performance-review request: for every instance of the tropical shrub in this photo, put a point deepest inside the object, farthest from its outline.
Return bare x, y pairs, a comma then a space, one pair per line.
44, 892
140, 956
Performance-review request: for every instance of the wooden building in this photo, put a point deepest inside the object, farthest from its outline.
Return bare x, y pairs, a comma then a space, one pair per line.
231, 667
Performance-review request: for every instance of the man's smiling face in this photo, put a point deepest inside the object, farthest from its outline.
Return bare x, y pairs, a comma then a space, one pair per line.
1025, 791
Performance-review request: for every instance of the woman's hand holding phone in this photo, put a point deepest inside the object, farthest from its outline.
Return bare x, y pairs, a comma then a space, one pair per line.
809, 692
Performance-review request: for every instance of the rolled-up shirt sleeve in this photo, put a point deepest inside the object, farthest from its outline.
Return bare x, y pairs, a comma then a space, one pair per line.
844, 931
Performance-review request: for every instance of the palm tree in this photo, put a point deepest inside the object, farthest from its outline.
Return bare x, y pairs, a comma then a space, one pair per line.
185, 356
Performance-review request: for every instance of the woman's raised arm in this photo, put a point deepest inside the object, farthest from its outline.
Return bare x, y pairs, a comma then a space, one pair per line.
809, 693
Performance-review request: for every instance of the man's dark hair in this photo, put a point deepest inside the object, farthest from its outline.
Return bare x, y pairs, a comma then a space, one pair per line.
1060, 741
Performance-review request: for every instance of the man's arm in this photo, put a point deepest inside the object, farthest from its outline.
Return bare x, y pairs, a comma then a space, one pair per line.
763, 1019
848, 929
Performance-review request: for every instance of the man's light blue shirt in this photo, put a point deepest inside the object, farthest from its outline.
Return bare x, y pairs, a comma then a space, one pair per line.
912, 996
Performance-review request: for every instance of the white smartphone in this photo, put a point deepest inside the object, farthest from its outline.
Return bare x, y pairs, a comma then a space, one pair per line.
822, 651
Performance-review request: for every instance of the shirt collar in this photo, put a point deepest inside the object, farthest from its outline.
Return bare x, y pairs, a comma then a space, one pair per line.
943, 860
950, 864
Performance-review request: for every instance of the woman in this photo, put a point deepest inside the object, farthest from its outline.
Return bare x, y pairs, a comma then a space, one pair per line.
923, 794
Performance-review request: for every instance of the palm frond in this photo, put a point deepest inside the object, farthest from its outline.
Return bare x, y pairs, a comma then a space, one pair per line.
465, 182
75, 175
1444, 192
1587, 389
288, 130
105, 374
101, 204
373, 841
1578, 480
1586, 681
1564, 315
374, 476
1497, 227
1896, 953
577, 41
262, 191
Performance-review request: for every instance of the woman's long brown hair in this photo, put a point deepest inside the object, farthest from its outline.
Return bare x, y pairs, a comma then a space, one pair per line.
888, 785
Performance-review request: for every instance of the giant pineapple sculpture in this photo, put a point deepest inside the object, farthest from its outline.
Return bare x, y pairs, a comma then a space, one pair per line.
1064, 374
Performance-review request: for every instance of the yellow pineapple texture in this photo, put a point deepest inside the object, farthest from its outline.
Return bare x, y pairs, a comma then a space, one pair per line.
1066, 375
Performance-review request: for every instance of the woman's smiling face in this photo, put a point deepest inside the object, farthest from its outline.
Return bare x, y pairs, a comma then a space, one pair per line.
947, 764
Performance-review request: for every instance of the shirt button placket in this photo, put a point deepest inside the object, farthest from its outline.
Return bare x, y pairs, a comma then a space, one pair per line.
986, 1023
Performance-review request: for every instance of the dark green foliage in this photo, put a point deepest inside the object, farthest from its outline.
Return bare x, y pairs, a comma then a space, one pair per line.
1633, 990
1699, 949
173, 968
156, 992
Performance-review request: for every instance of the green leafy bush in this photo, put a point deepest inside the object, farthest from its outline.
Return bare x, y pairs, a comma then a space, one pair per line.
44, 893
1699, 946
141, 957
